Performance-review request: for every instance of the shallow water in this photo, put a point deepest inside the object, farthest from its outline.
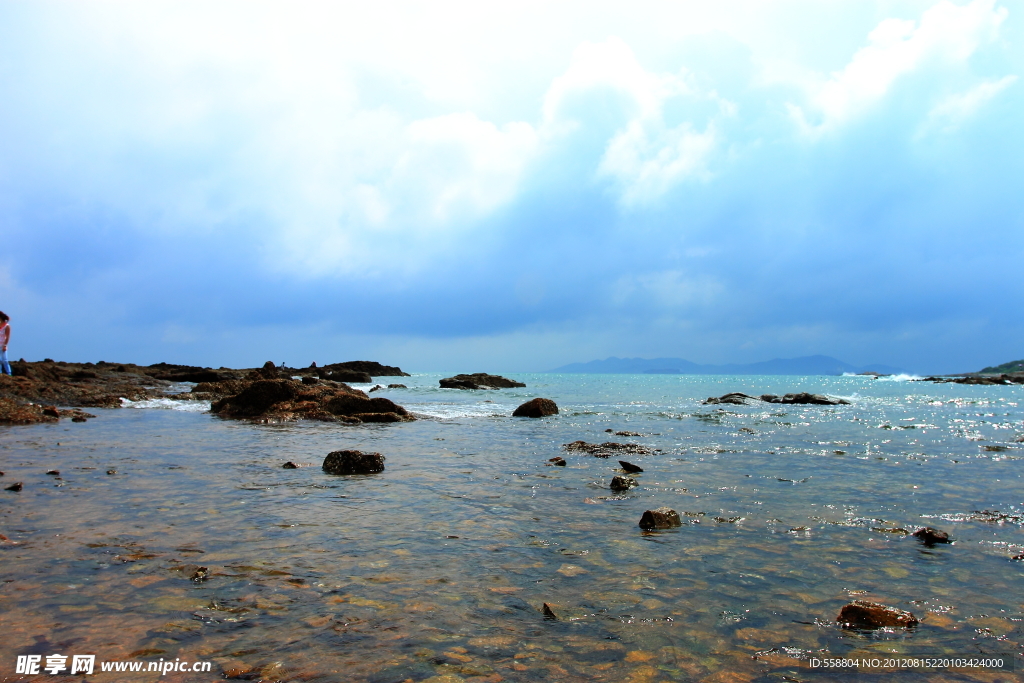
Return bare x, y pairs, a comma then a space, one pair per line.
440, 565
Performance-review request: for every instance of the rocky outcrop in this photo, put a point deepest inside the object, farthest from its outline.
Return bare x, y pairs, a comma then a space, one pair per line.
19, 413
660, 518
537, 407
479, 380
737, 398
1004, 379
871, 615
353, 462
608, 448
288, 399
99, 385
344, 375
369, 367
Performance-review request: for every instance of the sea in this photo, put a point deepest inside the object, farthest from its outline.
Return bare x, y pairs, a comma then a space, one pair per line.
170, 535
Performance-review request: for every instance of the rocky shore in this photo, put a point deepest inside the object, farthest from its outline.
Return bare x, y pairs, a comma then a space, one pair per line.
36, 389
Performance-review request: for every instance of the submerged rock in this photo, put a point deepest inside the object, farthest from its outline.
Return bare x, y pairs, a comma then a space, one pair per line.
870, 615
537, 407
734, 398
660, 518
623, 483
353, 462
930, 536
479, 380
608, 448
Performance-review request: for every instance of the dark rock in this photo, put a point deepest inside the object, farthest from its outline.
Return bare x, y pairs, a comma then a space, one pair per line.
623, 483
660, 518
549, 613
353, 462
376, 387
79, 418
310, 380
197, 575
257, 398
397, 386
343, 375
558, 461
537, 407
268, 371
13, 412
813, 399
16, 486
627, 433
380, 417
111, 471
735, 398
630, 467
930, 536
369, 367
53, 473
290, 466
608, 448
479, 380
870, 615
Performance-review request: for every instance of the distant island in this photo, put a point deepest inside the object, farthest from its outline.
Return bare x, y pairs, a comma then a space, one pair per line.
806, 365
1012, 366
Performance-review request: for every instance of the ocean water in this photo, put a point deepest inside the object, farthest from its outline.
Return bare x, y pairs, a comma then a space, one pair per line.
438, 567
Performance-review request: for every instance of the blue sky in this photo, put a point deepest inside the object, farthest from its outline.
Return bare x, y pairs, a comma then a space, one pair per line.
513, 186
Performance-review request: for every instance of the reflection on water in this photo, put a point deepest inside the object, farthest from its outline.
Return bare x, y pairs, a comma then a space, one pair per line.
440, 565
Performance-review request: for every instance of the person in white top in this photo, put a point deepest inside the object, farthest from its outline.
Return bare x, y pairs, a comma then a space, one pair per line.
5, 336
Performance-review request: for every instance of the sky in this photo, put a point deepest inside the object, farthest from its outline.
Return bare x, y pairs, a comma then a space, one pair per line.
467, 186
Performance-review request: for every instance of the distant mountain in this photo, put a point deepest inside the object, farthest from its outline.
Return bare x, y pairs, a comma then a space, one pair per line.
807, 365
1012, 366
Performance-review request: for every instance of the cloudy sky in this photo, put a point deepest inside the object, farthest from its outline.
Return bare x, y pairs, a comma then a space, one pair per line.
513, 186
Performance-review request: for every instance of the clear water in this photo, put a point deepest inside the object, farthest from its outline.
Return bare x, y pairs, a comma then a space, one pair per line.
440, 565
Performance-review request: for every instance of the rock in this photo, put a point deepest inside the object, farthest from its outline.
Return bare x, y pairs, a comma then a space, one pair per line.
479, 380
268, 371
16, 486
310, 380
869, 615
549, 613
930, 536
735, 398
623, 483
369, 367
660, 518
397, 386
289, 466
111, 471
376, 387
626, 433
288, 399
53, 473
606, 449
353, 462
630, 467
198, 574
343, 375
558, 461
813, 399
537, 407
14, 412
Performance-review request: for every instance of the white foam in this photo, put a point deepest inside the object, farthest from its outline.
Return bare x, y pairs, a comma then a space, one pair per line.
452, 411
168, 404
899, 378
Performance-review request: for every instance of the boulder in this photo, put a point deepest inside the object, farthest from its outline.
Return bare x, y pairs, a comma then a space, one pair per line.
630, 467
288, 399
870, 615
537, 407
397, 386
660, 518
930, 536
479, 380
353, 462
257, 398
620, 483
344, 375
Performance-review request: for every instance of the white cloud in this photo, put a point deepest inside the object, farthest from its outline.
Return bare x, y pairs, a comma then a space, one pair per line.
644, 156
946, 34
952, 111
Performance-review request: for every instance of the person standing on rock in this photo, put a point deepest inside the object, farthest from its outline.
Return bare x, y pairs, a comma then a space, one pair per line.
5, 336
